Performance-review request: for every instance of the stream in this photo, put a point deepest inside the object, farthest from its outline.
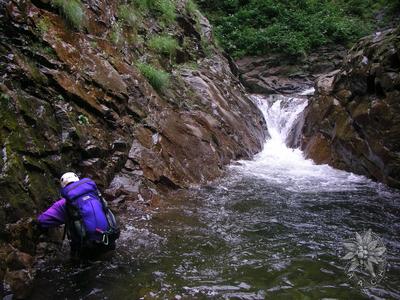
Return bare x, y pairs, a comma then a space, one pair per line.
272, 228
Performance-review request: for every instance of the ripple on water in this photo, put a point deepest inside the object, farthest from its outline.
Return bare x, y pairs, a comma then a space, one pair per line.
272, 228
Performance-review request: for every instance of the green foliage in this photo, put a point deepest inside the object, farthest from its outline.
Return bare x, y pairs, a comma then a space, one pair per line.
116, 34
128, 14
142, 5
158, 79
43, 25
164, 44
93, 44
165, 10
256, 27
206, 47
35, 73
4, 98
72, 10
83, 120
191, 7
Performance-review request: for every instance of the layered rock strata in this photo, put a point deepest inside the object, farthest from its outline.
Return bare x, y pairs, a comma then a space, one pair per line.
279, 74
75, 100
353, 121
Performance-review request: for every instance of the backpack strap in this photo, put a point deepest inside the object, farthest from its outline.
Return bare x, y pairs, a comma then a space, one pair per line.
113, 231
74, 226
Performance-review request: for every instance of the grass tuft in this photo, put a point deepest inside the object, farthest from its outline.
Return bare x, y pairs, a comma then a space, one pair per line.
191, 8
158, 79
128, 15
43, 25
164, 44
166, 10
72, 10
142, 5
116, 34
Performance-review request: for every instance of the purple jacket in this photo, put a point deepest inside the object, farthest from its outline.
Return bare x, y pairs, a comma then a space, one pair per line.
83, 196
54, 216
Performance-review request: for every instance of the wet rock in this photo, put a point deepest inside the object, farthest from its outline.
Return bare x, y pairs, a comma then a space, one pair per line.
119, 145
352, 122
22, 235
20, 282
17, 260
47, 249
72, 100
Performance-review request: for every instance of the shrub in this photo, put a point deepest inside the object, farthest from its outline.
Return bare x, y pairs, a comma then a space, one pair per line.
72, 10
158, 79
164, 44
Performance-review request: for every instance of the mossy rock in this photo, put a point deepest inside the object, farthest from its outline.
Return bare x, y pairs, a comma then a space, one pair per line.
8, 114
41, 188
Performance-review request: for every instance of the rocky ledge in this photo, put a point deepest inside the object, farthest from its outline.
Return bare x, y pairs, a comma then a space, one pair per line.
74, 99
353, 121
280, 74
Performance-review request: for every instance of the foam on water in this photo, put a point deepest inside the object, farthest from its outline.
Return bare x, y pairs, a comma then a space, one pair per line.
288, 167
271, 229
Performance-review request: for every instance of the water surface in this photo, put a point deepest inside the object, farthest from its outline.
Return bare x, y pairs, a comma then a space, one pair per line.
272, 228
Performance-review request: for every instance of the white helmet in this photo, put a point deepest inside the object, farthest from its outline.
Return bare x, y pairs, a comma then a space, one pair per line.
67, 178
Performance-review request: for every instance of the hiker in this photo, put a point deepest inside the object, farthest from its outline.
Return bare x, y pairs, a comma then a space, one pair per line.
89, 224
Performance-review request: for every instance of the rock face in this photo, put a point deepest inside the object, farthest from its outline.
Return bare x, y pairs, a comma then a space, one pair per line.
353, 122
277, 74
75, 100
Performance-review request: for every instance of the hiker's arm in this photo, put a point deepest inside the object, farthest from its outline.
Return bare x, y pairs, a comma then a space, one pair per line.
53, 216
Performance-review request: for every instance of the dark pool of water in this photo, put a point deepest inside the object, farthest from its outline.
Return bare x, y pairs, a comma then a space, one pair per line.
240, 238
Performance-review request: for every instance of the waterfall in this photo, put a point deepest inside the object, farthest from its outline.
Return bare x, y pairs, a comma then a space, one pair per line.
279, 164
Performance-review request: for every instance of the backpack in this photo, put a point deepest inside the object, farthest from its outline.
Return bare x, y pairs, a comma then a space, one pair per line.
89, 220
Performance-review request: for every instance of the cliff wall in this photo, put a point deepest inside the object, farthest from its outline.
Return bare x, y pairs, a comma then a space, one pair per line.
353, 121
75, 94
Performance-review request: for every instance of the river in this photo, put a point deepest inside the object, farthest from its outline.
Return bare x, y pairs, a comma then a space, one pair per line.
272, 228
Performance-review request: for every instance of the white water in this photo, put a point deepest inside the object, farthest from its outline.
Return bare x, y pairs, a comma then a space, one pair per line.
244, 236
288, 167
